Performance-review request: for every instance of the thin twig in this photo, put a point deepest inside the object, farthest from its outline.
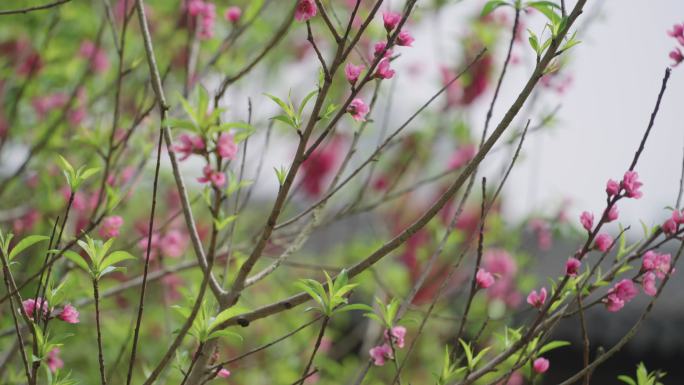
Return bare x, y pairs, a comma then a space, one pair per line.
35, 8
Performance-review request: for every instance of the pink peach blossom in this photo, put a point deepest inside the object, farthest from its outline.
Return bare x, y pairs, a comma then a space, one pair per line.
537, 299
677, 56
217, 178
612, 187
540, 365
69, 314
603, 242
110, 226
380, 354
612, 214
398, 333
587, 220
306, 9
405, 39
572, 266
31, 307
384, 71
53, 360
631, 184
649, 284
233, 14
352, 72
379, 48
669, 227
625, 290
484, 279
223, 373
391, 20
189, 145
173, 244
358, 109
226, 146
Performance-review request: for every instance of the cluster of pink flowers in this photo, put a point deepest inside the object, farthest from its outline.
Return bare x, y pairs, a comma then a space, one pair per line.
623, 292
358, 108
43, 105
172, 244
654, 265
381, 353
110, 226
39, 308
671, 225
500, 263
677, 33
96, 56
22, 55
189, 145
306, 9
206, 11
225, 148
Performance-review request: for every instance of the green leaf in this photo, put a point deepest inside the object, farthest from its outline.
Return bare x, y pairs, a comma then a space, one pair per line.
305, 101
281, 174
468, 353
88, 173
329, 111
179, 123
26, 243
183, 311
220, 224
552, 345
626, 379
115, 257
547, 9
77, 259
309, 290
203, 103
282, 105
354, 306
491, 5
225, 315
189, 110
480, 355
65, 165
534, 41
224, 333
